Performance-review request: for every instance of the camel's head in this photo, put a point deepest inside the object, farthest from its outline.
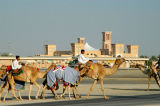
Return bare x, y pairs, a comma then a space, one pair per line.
84, 68
3, 70
119, 61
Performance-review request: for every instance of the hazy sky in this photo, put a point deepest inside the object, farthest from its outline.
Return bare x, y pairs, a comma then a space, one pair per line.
25, 25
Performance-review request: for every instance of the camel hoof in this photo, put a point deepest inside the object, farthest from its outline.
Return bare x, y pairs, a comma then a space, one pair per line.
147, 90
43, 98
18, 99
87, 97
62, 97
29, 99
70, 98
37, 98
56, 97
21, 99
76, 98
106, 98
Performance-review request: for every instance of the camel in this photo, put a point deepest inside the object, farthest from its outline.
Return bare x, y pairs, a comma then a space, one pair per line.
150, 73
74, 87
30, 74
6, 84
97, 72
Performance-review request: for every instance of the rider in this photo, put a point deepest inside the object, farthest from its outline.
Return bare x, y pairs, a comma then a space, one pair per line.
81, 58
15, 64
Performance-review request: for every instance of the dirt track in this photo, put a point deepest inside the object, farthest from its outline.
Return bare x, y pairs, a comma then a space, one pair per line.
114, 87
118, 87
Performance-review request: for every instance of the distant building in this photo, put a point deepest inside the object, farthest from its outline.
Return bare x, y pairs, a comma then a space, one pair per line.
106, 43
118, 50
89, 50
108, 49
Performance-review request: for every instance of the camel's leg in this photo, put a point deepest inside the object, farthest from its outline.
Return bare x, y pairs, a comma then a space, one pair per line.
30, 89
149, 82
19, 92
69, 91
2, 89
74, 93
80, 79
102, 87
11, 82
39, 88
77, 92
4, 99
55, 94
95, 82
64, 90
157, 76
43, 91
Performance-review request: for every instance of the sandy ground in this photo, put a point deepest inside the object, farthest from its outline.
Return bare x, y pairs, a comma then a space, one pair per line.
125, 88
118, 89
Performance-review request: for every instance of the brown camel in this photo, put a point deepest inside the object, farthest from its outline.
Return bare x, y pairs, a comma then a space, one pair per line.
97, 72
30, 74
74, 87
150, 74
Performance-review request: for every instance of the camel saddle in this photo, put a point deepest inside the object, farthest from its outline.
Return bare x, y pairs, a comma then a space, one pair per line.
17, 72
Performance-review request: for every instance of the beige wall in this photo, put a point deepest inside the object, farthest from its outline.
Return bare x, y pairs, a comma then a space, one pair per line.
118, 49
93, 53
60, 53
45, 62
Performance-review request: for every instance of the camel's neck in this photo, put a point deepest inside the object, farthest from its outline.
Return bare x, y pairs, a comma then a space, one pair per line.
141, 68
76, 68
112, 70
43, 74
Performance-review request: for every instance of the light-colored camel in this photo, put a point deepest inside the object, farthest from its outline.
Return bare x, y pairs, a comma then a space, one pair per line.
148, 72
97, 72
30, 74
74, 87
156, 73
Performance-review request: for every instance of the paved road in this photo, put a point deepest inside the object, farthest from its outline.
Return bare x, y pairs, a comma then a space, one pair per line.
122, 91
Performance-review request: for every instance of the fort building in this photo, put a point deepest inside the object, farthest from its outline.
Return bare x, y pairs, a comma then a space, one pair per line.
108, 49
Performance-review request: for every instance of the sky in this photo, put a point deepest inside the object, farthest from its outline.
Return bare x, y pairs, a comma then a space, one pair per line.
26, 25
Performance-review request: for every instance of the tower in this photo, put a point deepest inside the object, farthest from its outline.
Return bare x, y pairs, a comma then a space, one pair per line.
81, 40
106, 42
49, 50
76, 47
132, 50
